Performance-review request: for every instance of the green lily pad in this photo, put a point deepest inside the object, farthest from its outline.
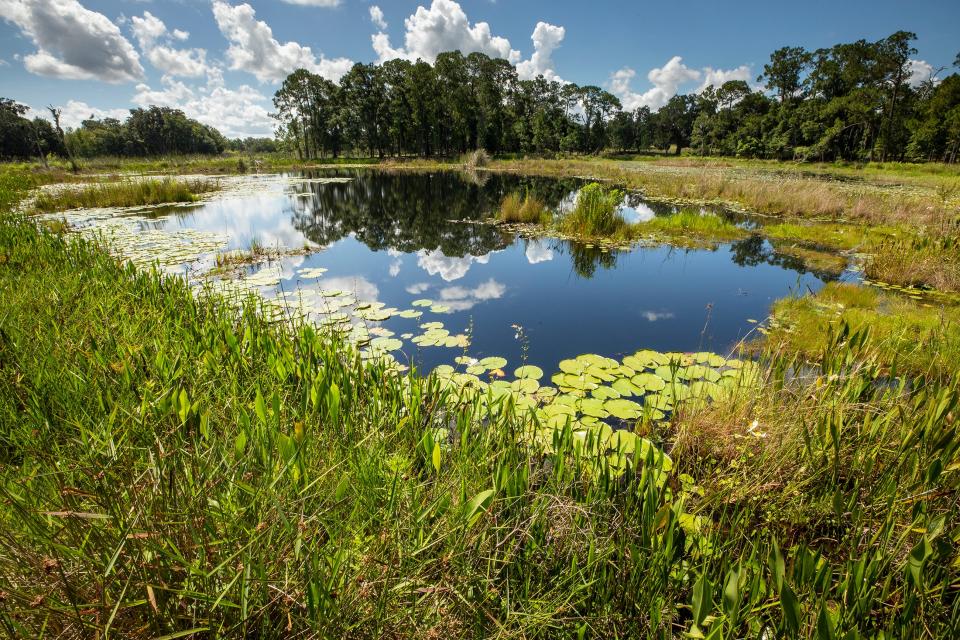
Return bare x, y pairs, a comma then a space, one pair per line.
493, 362
528, 371
623, 409
423, 302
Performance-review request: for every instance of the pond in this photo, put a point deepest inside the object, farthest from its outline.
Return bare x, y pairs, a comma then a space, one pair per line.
396, 238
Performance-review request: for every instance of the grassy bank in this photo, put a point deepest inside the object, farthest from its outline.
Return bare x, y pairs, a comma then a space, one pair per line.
122, 193
169, 468
916, 337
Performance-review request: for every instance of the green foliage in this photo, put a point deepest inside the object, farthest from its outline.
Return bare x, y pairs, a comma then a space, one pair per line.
596, 214
124, 193
173, 465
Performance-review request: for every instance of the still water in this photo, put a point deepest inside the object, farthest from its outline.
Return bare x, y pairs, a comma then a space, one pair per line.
397, 237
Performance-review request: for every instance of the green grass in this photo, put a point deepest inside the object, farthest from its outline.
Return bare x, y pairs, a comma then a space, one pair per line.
171, 465
916, 337
689, 223
124, 193
526, 210
596, 213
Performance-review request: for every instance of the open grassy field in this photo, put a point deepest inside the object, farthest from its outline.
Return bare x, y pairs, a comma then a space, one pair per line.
173, 467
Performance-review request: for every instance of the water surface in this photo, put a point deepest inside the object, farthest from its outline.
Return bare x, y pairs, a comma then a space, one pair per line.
400, 237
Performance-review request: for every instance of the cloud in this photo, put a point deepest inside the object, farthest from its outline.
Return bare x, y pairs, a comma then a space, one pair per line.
667, 81
376, 17
72, 41
235, 112
154, 40
462, 298
75, 112
418, 288
716, 77
538, 251
443, 27
450, 269
254, 49
395, 267
920, 72
546, 39
654, 316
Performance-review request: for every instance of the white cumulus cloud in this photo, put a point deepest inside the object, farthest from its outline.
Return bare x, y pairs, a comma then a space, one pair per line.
376, 17
443, 27
254, 49
449, 268
235, 112
462, 298
546, 38
668, 80
716, 77
72, 41
920, 72
154, 40
75, 111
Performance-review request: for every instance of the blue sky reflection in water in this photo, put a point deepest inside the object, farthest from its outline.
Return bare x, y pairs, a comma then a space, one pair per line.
399, 237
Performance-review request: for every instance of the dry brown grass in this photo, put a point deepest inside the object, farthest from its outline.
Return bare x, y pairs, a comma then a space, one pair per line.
760, 190
920, 262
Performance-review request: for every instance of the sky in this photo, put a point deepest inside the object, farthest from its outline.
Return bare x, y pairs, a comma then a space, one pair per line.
220, 61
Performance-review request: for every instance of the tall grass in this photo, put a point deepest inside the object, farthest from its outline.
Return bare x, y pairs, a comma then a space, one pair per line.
124, 193
596, 213
173, 467
528, 209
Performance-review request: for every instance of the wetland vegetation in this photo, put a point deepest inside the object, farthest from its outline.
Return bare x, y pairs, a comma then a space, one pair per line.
548, 368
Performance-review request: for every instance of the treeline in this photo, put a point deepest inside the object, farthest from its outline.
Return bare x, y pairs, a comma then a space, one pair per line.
853, 101
152, 131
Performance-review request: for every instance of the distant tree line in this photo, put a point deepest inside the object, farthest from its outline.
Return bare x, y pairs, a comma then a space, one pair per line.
851, 101
152, 131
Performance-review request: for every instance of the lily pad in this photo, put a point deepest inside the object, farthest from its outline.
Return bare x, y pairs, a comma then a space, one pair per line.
528, 371
623, 409
493, 362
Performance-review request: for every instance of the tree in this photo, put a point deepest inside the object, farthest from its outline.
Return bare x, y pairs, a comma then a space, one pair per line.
784, 71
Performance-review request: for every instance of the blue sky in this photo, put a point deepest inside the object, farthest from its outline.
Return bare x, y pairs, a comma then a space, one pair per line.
221, 60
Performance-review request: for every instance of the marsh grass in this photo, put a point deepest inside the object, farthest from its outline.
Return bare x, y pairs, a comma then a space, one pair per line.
918, 261
692, 223
124, 193
918, 338
173, 466
596, 213
527, 210
772, 188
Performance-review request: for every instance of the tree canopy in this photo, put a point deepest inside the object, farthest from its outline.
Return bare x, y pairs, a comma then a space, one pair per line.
852, 101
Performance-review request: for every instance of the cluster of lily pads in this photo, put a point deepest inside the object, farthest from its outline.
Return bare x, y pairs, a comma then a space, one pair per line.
601, 399
916, 293
131, 238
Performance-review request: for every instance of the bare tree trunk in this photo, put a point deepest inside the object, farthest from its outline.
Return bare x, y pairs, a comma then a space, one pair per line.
43, 156
55, 112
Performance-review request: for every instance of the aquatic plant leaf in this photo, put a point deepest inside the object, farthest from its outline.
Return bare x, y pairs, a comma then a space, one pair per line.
529, 371
623, 409
493, 362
